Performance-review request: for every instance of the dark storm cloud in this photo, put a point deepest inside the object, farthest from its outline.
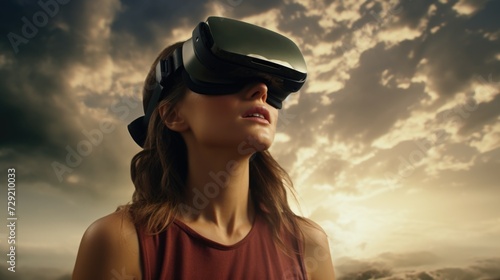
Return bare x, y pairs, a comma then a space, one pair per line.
147, 23
364, 108
37, 108
44, 118
35, 100
304, 120
293, 19
327, 171
479, 115
387, 104
375, 15
353, 118
335, 33
244, 8
459, 50
410, 12
41, 113
36, 112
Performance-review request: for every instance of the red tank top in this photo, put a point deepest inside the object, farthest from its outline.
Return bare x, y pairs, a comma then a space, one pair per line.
181, 253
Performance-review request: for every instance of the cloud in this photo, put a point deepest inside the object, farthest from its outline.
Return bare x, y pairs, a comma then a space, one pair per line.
141, 26
386, 79
468, 7
350, 269
412, 259
294, 19
245, 8
47, 98
480, 115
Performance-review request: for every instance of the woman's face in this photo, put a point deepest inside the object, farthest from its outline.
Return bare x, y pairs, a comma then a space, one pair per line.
242, 120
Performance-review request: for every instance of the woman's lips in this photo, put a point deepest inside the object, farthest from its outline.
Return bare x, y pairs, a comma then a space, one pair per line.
258, 113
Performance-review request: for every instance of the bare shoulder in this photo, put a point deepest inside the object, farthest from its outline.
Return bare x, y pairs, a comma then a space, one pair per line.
109, 247
313, 232
112, 228
317, 256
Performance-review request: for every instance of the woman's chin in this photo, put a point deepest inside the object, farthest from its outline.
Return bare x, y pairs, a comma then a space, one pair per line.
254, 143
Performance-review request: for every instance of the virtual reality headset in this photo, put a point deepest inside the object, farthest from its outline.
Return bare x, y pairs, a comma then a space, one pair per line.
222, 56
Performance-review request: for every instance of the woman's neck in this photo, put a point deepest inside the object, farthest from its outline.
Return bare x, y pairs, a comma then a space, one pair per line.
217, 191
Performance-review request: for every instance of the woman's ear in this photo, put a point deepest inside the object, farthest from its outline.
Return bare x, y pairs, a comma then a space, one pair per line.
173, 119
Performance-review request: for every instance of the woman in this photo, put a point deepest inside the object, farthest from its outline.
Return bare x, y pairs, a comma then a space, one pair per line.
210, 201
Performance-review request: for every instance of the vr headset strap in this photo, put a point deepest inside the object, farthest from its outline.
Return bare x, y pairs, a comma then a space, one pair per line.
165, 69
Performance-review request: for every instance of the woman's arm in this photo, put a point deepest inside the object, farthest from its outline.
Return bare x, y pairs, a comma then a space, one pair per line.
109, 250
317, 257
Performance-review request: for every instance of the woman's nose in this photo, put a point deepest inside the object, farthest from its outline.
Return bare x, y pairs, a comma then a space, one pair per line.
257, 91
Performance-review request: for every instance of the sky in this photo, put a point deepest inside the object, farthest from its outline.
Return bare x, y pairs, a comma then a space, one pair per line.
393, 143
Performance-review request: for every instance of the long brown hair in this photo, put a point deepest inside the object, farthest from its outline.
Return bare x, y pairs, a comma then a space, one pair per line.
159, 172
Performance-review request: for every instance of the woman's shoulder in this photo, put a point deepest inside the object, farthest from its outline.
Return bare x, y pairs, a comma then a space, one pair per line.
112, 227
317, 254
108, 247
312, 232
